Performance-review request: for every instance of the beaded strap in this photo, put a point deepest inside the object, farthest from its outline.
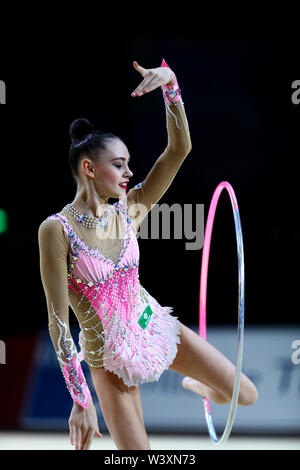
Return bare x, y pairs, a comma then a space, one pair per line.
171, 93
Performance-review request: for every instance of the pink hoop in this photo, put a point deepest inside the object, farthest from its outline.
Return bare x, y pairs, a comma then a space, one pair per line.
202, 304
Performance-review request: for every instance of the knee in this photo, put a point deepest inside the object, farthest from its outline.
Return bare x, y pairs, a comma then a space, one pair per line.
218, 398
134, 444
248, 396
118, 384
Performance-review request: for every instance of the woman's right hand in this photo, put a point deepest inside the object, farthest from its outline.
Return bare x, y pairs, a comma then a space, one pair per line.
153, 78
83, 424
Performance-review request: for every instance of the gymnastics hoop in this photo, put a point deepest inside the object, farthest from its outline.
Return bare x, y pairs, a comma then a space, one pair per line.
241, 307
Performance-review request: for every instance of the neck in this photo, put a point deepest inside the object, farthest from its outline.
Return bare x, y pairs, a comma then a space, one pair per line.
92, 205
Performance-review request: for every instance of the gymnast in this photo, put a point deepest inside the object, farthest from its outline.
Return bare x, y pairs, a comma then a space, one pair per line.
89, 260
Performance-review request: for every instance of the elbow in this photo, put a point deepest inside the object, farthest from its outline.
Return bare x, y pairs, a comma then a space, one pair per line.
181, 150
189, 147
51, 330
189, 142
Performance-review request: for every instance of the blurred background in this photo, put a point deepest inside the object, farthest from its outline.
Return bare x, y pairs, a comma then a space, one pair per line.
245, 129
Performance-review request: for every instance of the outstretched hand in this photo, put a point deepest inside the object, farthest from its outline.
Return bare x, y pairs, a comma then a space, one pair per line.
153, 78
83, 426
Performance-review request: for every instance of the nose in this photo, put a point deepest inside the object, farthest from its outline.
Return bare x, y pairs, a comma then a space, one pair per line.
128, 173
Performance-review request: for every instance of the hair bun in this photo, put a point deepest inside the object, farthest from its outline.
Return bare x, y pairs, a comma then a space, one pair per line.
80, 128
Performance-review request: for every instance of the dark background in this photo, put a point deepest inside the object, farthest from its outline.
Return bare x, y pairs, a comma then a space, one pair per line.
244, 129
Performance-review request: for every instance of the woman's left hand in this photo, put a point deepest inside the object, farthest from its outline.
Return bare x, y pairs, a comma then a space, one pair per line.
83, 424
153, 78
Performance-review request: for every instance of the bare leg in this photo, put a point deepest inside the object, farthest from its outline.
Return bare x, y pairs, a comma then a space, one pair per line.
200, 389
122, 410
199, 360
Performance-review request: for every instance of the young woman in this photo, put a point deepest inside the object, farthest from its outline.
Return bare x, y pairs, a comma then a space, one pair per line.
89, 260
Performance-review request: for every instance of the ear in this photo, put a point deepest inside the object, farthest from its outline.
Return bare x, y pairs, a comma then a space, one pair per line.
88, 167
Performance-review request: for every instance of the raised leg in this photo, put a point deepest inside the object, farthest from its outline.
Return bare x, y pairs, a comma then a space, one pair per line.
199, 360
200, 389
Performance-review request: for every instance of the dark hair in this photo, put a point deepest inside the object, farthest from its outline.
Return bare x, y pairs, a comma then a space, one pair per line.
86, 141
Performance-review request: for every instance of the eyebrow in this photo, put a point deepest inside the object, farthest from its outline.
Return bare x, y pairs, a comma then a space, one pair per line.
120, 158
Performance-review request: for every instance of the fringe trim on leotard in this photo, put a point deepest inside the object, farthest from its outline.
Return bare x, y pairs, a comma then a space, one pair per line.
135, 354
143, 359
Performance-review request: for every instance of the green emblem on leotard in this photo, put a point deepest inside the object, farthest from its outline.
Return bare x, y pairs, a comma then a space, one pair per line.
145, 317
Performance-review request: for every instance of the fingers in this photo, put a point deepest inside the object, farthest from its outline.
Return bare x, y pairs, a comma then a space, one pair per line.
149, 83
139, 68
142, 88
147, 74
72, 435
153, 84
82, 440
153, 78
77, 439
88, 440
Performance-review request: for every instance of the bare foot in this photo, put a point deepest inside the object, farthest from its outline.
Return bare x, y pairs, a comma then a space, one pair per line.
191, 384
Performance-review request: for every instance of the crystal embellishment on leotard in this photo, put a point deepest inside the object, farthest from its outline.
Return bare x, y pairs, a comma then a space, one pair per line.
69, 360
79, 245
171, 93
75, 381
108, 299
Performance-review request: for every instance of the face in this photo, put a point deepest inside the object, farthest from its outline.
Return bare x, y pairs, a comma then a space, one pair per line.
112, 170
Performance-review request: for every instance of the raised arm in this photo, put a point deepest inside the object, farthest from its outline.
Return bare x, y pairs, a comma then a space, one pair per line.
141, 199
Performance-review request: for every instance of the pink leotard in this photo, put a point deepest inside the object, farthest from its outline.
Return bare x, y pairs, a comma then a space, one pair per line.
123, 328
